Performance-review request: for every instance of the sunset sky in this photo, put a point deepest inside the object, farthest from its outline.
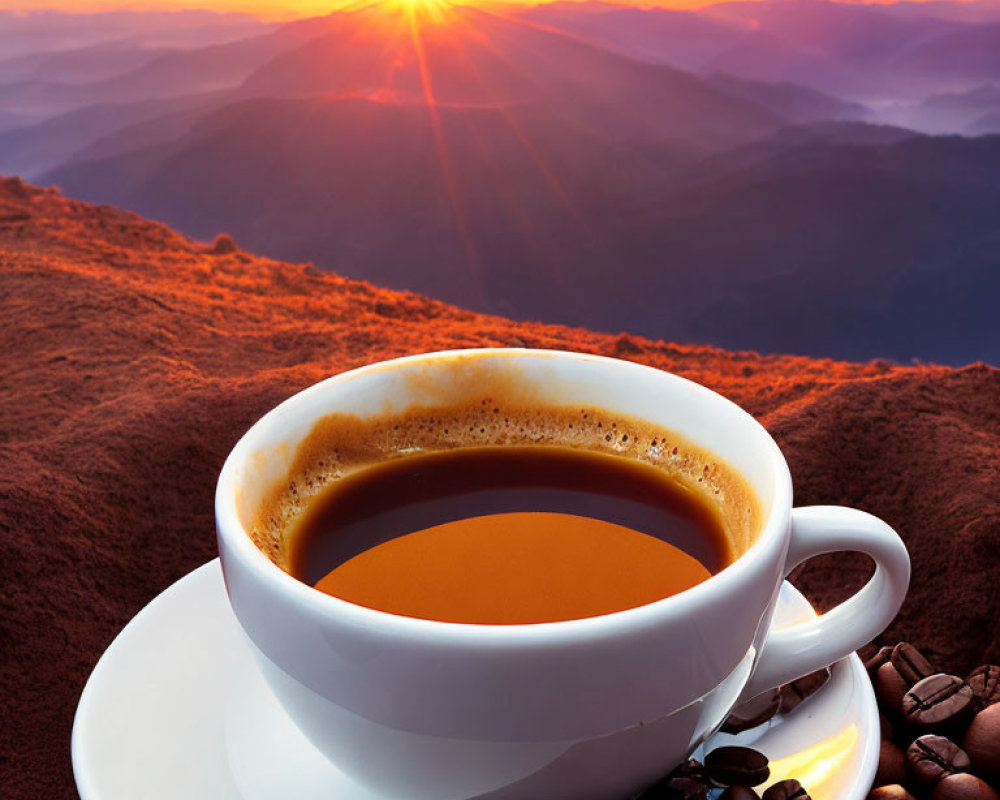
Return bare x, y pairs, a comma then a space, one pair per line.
272, 9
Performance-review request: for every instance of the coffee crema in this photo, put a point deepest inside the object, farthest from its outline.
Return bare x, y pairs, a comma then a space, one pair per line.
494, 513
507, 535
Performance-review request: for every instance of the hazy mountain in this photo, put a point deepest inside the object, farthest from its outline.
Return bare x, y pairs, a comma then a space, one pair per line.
510, 166
483, 59
841, 49
856, 51
972, 11
9, 119
762, 56
492, 63
988, 123
172, 74
834, 133
853, 32
968, 54
795, 142
867, 242
84, 65
727, 38
795, 103
839, 249
683, 39
687, 40
491, 207
50, 31
31, 150
950, 112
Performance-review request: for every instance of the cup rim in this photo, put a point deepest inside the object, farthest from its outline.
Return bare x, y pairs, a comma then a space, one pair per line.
236, 543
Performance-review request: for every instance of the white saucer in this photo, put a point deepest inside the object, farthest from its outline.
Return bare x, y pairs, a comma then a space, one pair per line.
176, 709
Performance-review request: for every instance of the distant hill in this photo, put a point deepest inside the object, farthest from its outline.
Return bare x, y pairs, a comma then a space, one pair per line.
174, 73
485, 59
988, 123
522, 164
494, 191
83, 65
683, 39
500, 62
862, 52
52, 32
968, 54
773, 245
794, 103
815, 138
360, 186
10, 119
833, 248
34, 149
971, 11
951, 112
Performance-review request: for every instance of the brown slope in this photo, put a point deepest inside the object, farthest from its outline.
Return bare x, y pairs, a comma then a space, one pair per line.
134, 358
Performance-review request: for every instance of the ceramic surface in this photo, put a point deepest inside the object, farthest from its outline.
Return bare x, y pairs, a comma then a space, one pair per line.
177, 708
582, 709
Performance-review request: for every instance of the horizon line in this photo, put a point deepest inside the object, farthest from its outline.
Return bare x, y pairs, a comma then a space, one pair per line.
286, 10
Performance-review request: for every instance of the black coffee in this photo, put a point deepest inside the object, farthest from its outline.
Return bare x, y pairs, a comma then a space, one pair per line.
507, 534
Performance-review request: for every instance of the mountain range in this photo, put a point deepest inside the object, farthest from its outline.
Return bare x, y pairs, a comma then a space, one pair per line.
862, 52
31, 37
553, 164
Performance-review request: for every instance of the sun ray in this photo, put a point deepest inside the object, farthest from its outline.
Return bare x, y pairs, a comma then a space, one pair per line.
413, 8
549, 177
444, 57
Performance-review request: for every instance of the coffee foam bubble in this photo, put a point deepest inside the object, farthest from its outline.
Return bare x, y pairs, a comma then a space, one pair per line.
340, 444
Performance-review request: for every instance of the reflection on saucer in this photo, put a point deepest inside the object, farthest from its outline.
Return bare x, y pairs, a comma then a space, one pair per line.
176, 708
817, 767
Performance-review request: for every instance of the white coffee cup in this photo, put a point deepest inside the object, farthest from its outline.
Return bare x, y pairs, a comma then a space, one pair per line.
587, 709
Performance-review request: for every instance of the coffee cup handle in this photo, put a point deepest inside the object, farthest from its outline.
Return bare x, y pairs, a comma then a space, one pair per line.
799, 649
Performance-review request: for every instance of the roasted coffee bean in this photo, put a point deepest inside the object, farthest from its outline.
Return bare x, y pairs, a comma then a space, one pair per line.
798, 690
932, 757
687, 788
985, 684
739, 792
690, 779
910, 663
891, 764
963, 786
890, 688
659, 792
891, 792
789, 789
692, 768
881, 657
982, 741
752, 713
737, 765
664, 792
687, 781
884, 726
938, 701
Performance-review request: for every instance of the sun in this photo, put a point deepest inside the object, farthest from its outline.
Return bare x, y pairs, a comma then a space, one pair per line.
433, 9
